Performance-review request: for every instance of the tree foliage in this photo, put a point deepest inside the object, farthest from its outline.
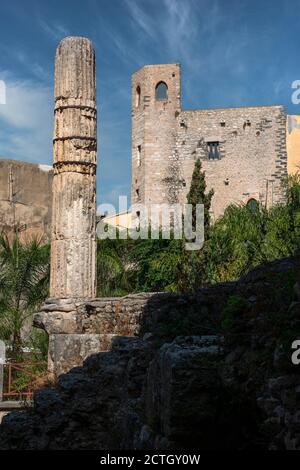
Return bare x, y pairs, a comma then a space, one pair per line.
242, 238
114, 267
193, 264
238, 241
198, 194
24, 278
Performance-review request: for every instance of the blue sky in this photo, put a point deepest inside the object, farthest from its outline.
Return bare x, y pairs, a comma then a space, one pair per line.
232, 52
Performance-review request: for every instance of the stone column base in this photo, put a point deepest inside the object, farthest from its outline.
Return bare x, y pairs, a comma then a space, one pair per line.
79, 327
69, 345
70, 350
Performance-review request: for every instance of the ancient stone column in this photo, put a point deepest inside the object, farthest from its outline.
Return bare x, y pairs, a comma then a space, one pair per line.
73, 242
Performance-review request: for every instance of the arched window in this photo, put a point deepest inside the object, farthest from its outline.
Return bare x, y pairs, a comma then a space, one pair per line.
137, 96
161, 91
252, 204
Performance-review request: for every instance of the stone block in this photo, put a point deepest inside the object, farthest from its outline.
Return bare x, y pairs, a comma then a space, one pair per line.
70, 350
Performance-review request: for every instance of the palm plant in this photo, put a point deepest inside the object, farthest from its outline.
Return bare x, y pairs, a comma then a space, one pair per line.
235, 242
113, 267
156, 264
24, 276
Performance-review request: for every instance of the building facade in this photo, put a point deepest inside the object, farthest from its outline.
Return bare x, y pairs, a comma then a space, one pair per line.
25, 199
243, 150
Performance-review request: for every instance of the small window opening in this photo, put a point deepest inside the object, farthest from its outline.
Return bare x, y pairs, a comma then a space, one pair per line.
161, 91
246, 124
138, 96
139, 155
137, 191
222, 124
213, 150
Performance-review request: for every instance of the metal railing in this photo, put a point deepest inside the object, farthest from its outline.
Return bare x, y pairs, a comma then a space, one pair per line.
21, 379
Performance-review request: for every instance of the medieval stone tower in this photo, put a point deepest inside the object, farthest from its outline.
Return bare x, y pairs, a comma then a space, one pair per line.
242, 150
156, 101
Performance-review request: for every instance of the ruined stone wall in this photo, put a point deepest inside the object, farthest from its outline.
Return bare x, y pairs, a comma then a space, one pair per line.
25, 198
180, 383
252, 146
79, 327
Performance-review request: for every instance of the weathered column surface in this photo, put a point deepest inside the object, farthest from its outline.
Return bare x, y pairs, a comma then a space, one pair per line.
73, 242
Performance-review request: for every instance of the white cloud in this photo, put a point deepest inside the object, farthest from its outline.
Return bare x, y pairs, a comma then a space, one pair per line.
55, 30
35, 148
30, 66
28, 104
26, 120
142, 19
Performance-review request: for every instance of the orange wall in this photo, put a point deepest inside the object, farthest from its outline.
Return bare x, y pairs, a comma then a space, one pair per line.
293, 143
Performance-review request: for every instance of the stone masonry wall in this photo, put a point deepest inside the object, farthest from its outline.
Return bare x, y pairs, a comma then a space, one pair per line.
189, 379
253, 159
25, 198
80, 327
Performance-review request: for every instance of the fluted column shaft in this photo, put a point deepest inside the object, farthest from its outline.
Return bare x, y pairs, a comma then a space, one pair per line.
73, 243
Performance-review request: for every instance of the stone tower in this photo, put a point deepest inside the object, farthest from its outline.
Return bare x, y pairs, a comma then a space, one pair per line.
242, 150
156, 103
73, 242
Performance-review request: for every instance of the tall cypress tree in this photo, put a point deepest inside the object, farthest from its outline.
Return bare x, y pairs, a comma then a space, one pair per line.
192, 270
197, 195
